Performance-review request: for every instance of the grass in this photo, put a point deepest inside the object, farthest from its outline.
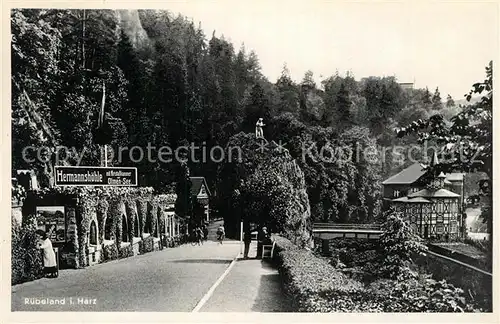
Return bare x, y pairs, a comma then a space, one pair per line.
463, 248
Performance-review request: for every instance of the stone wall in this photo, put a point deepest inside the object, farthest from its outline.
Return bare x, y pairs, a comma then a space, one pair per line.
86, 212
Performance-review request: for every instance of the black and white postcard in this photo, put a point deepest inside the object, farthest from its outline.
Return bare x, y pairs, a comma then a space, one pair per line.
257, 158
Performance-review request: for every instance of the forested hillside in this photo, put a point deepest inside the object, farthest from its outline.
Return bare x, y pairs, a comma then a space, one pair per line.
167, 83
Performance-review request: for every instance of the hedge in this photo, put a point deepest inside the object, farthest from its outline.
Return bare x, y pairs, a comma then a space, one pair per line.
315, 286
146, 245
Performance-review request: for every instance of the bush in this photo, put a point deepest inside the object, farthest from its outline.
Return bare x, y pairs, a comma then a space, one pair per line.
314, 285
399, 244
26, 261
146, 245
419, 295
126, 251
109, 252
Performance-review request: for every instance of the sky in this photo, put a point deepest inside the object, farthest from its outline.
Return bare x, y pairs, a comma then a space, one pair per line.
445, 44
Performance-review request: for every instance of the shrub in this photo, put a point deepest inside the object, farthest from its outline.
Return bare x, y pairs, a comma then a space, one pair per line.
27, 263
314, 285
146, 245
398, 244
419, 295
109, 252
126, 251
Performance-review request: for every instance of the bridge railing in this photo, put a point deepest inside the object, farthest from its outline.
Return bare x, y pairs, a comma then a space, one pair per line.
326, 226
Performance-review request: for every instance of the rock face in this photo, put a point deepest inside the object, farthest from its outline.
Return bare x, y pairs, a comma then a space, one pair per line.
131, 23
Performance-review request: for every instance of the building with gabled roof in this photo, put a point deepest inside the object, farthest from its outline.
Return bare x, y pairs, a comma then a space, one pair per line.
414, 178
200, 191
199, 187
433, 206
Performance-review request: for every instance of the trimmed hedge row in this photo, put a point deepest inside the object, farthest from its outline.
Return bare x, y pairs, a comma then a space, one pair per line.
315, 286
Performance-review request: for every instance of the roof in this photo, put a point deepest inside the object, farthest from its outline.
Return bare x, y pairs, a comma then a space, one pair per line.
411, 200
415, 171
408, 175
441, 193
196, 183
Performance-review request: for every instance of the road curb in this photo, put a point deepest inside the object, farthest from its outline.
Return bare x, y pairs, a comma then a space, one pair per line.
210, 292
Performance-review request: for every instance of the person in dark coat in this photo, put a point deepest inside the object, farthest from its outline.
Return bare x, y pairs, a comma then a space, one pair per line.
247, 239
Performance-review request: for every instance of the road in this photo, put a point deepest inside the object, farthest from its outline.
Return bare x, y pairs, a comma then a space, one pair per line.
171, 280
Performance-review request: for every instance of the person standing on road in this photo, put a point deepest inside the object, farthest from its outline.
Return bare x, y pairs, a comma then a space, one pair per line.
221, 233
205, 232
49, 256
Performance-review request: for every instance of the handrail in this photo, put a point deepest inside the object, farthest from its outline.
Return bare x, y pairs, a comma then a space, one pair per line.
461, 263
346, 226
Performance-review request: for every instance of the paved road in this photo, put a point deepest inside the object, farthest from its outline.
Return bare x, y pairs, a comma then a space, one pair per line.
172, 280
251, 286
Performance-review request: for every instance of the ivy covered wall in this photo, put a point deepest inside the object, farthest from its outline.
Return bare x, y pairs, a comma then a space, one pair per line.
123, 216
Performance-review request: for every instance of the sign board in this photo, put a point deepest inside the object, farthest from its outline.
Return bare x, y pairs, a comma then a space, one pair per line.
95, 176
51, 220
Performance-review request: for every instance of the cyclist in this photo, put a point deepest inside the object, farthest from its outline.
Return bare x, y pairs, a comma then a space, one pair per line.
221, 233
205, 232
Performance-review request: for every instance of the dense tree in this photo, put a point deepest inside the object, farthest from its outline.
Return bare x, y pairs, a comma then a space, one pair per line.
266, 187
343, 104
427, 98
166, 83
288, 92
437, 104
449, 101
384, 98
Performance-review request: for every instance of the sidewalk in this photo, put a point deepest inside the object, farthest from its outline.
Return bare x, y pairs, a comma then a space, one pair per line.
251, 286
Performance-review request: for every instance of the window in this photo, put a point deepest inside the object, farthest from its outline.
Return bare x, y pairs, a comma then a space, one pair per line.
396, 193
454, 227
203, 191
412, 190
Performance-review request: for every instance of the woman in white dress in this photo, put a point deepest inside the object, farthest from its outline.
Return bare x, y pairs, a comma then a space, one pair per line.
49, 256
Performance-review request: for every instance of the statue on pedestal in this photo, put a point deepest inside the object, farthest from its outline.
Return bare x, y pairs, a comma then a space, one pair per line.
259, 132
